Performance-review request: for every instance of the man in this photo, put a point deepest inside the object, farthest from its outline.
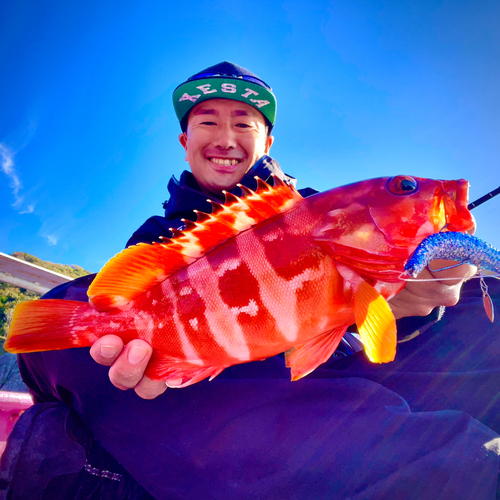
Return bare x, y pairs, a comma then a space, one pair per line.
250, 433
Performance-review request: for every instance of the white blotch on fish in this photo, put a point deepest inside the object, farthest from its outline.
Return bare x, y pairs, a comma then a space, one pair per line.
252, 309
228, 265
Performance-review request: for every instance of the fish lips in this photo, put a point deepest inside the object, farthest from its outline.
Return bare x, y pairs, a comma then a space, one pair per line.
455, 198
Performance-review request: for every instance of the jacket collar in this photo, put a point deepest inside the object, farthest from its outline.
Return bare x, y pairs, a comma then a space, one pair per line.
185, 193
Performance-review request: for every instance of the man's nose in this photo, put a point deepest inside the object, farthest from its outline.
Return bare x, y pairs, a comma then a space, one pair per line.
225, 138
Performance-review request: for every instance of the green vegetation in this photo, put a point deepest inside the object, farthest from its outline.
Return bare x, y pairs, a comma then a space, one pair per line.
71, 271
11, 295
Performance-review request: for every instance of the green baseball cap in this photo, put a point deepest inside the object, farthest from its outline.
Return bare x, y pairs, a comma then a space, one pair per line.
225, 81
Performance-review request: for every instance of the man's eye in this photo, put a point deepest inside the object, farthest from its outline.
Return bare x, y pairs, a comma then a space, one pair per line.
208, 123
243, 125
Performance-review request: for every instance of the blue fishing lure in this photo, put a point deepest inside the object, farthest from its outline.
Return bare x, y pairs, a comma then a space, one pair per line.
453, 246
460, 247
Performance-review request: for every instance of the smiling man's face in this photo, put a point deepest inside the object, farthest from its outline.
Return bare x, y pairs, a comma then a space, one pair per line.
224, 138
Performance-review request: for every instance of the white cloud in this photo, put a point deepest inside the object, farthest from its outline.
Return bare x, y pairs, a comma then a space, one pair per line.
7, 165
51, 230
8, 169
51, 239
19, 201
7, 161
29, 210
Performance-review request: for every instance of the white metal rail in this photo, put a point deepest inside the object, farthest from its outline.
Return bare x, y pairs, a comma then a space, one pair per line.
30, 276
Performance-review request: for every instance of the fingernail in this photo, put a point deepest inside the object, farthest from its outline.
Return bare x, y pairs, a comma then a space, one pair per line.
136, 354
173, 382
108, 351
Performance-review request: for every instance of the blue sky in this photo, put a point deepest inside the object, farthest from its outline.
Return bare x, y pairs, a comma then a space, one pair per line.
88, 135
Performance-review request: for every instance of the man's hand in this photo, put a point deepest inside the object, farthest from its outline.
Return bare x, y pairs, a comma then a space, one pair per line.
128, 364
419, 298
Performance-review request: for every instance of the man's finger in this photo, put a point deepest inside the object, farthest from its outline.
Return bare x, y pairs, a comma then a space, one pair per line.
419, 298
150, 389
106, 349
461, 272
128, 369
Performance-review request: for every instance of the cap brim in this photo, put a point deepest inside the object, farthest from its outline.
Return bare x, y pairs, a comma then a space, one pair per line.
190, 93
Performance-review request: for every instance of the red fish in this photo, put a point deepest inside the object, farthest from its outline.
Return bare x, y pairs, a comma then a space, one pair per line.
266, 273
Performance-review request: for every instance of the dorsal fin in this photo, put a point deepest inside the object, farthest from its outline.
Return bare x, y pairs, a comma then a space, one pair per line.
140, 267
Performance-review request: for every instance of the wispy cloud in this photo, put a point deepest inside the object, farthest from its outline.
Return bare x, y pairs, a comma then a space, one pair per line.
8, 170
51, 239
7, 165
29, 210
51, 229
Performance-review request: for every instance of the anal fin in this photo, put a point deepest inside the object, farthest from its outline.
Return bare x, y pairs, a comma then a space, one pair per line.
161, 367
305, 358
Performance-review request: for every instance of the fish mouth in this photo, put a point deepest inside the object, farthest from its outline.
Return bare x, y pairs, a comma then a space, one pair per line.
455, 200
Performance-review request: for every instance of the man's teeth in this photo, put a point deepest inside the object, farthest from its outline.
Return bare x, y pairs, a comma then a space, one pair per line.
225, 162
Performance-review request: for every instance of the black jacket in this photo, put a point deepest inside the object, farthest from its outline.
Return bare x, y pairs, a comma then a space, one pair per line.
186, 196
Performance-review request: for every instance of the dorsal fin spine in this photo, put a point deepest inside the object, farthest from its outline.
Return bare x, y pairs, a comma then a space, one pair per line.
190, 225
230, 197
246, 191
176, 233
262, 186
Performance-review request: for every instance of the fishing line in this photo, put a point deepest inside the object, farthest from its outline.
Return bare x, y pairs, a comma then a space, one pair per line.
444, 268
476, 276
487, 214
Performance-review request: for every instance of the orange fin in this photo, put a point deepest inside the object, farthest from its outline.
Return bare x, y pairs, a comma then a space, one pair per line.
376, 323
306, 358
132, 272
51, 324
161, 367
139, 268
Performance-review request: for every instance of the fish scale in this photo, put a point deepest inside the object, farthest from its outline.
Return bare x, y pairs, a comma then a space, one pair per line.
267, 273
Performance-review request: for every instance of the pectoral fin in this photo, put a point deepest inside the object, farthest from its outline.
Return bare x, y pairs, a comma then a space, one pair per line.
307, 357
375, 321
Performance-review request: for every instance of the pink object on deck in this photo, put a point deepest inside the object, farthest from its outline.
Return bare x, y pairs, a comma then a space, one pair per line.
12, 405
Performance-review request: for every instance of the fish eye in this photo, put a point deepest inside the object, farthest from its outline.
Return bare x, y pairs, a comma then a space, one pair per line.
402, 185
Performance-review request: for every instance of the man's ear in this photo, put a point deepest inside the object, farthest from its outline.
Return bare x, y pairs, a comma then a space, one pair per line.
269, 143
183, 139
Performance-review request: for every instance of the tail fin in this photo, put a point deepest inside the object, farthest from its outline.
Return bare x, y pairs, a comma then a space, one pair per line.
51, 324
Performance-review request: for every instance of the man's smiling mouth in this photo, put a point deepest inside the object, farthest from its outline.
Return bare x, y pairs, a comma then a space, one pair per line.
224, 162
